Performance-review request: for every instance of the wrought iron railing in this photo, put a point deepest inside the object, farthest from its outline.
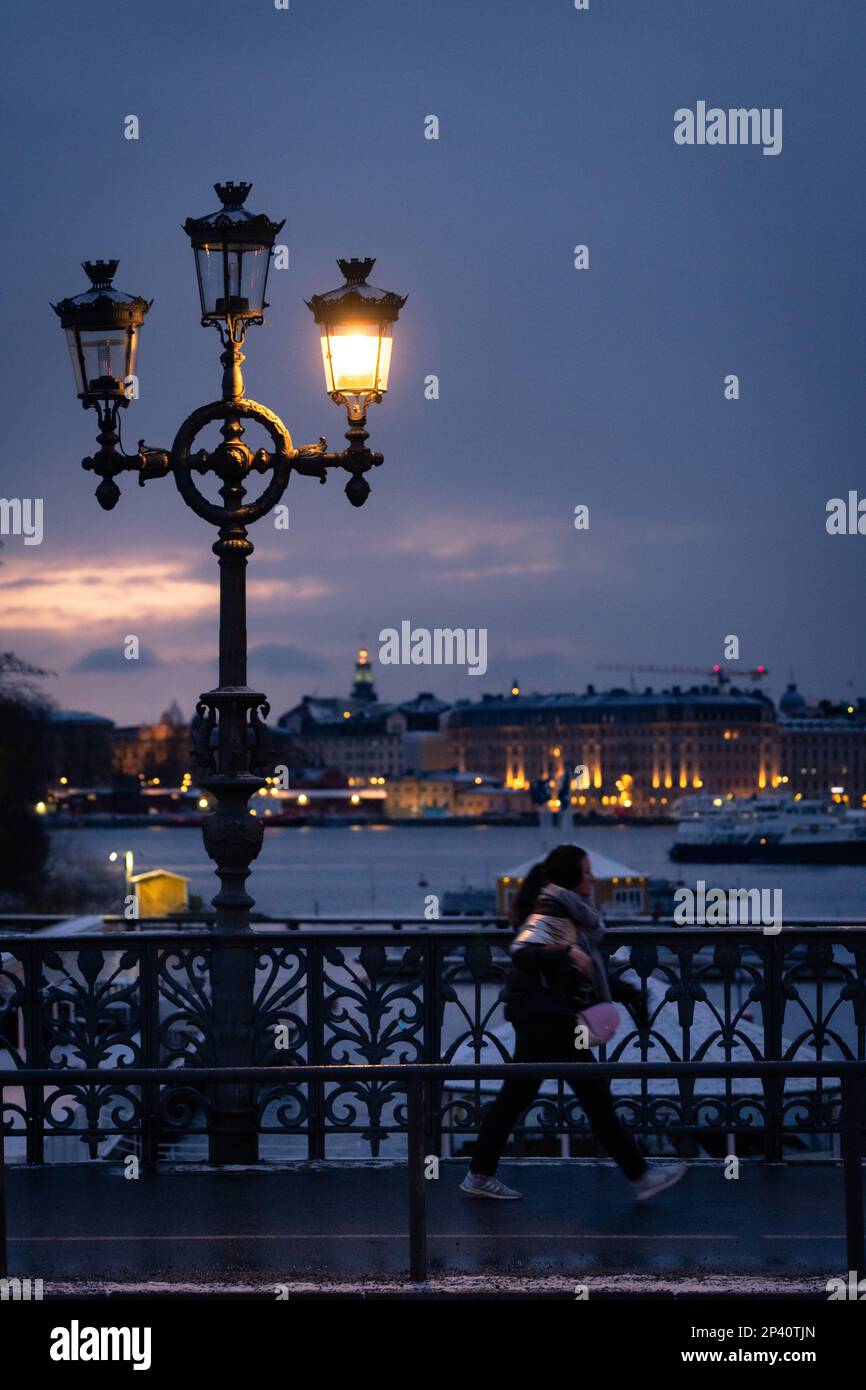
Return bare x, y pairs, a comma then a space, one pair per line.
393, 992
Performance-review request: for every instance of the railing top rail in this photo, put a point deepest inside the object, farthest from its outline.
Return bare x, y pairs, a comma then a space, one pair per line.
489, 918
395, 932
396, 921
426, 1071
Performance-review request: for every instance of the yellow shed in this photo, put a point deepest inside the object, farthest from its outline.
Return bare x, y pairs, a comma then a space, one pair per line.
159, 892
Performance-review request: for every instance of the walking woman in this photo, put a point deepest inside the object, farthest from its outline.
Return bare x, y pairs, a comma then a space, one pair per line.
556, 972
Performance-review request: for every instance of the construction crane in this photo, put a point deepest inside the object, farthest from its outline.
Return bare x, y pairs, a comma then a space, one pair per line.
717, 672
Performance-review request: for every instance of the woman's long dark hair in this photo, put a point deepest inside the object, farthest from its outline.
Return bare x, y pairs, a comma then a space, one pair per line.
564, 865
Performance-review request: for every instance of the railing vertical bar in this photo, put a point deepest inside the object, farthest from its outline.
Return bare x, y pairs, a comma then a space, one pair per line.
33, 1107
774, 1090
852, 1167
315, 1048
688, 970
417, 1192
3, 1266
432, 1015
148, 984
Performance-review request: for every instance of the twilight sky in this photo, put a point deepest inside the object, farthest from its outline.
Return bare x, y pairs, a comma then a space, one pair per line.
557, 387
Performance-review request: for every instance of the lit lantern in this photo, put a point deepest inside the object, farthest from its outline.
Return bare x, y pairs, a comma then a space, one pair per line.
102, 333
356, 322
232, 257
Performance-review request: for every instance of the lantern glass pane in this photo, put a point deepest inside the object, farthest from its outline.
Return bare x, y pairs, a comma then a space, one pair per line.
232, 279
77, 365
109, 358
357, 357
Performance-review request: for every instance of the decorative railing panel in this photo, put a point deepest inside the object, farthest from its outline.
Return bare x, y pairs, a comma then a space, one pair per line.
414, 994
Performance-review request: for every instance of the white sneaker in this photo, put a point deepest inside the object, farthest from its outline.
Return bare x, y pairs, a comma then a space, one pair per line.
478, 1185
657, 1177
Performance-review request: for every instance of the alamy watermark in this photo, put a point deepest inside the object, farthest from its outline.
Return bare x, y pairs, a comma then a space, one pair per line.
846, 516
22, 516
439, 646
738, 125
77, 1343
854, 1289
734, 907
21, 1290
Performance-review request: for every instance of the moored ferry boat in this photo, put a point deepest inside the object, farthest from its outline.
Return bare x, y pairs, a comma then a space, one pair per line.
771, 829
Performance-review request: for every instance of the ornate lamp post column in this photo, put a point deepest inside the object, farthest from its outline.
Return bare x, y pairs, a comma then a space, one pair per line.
231, 754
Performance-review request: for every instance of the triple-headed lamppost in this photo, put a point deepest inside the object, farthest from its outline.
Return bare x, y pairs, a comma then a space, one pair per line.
233, 249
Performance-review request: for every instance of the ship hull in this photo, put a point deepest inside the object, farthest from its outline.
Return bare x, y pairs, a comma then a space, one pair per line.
770, 854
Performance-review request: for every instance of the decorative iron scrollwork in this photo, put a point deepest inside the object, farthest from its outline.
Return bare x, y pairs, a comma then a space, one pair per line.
201, 736
261, 761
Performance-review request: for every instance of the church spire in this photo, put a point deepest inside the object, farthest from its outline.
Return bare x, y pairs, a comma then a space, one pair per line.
362, 686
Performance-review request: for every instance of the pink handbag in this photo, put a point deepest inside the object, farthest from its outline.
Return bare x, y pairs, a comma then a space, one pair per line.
602, 1021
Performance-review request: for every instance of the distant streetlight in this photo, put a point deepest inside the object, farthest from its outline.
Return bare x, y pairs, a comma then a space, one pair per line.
128, 862
128, 868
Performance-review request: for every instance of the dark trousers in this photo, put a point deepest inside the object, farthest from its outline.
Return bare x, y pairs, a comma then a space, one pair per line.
552, 1040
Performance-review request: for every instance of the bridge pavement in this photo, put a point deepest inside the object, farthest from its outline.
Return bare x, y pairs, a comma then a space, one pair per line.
776, 1229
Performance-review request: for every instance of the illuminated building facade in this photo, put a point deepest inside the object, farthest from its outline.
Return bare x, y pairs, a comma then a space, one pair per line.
454, 794
822, 748
640, 750
361, 740
363, 737
821, 756
154, 751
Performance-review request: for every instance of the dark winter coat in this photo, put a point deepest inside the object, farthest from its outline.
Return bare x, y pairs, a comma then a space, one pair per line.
543, 981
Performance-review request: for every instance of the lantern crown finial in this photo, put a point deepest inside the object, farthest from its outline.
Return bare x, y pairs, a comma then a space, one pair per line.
232, 195
357, 269
356, 299
100, 273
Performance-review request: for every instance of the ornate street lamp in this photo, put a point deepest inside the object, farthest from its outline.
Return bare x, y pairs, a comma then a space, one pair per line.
102, 327
102, 334
231, 751
356, 322
232, 257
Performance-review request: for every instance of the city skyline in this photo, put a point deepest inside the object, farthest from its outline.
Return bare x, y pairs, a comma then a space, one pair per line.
409, 682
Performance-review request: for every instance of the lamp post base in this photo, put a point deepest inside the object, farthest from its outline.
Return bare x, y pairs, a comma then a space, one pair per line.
231, 752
